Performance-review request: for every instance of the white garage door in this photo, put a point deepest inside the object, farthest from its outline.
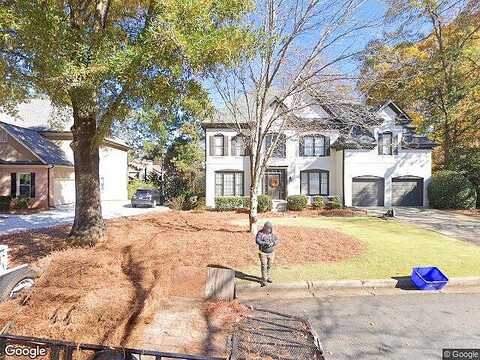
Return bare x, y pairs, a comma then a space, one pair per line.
63, 191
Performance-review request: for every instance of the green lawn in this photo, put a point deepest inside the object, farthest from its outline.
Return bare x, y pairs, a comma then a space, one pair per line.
393, 248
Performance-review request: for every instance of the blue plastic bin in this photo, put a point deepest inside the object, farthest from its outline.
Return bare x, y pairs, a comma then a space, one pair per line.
428, 278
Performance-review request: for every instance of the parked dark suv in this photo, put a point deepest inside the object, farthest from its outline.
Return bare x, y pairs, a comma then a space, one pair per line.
146, 197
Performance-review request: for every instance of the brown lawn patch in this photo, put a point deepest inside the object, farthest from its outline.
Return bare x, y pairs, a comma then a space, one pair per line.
109, 293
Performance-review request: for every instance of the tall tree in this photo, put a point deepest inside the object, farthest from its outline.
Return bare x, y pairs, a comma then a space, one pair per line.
104, 58
432, 74
303, 46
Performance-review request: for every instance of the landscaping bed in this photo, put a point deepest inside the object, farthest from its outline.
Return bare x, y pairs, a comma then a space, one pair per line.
109, 293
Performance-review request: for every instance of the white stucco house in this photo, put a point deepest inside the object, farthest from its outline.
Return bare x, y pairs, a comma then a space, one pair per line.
387, 164
37, 162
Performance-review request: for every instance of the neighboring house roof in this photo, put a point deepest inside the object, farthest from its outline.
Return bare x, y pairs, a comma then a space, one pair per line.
45, 150
67, 135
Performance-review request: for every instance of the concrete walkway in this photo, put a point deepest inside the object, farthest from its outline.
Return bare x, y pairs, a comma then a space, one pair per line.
445, 222
65, 215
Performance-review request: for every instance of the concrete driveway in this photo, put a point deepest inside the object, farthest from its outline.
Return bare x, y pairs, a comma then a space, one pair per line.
65, 215
393, 327
446, 222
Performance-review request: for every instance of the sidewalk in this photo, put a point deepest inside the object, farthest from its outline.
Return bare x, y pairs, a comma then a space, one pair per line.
252, 290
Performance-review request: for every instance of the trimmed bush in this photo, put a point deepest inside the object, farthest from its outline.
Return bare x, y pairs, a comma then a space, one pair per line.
22, 203
5, 203
318, 202
333, 202
297, 202
265, 203
451, 190
225, 203
134, 185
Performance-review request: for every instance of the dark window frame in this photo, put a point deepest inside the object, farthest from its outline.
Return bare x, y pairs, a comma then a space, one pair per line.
235, 173
280, 152
234, 144
393, 146
320, 172
215, 146
315, 137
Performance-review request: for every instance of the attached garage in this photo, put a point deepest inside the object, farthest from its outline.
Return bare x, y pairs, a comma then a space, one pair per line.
407, 191
368, 191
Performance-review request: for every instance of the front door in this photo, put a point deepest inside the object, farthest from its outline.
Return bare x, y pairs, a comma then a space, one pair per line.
274, 183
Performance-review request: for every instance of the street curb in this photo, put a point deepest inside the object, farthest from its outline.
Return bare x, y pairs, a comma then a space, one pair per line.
246, 288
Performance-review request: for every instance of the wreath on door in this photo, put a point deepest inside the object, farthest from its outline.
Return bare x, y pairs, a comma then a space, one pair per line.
274, 182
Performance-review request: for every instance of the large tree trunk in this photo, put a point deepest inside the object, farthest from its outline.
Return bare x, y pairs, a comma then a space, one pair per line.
88, 227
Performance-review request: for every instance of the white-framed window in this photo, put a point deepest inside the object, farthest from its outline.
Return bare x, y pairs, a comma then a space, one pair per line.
102, 184
314, 145
238, 146
3, 136
314, 182
229, 183
280, 142
218, 145
24, 185
388, 143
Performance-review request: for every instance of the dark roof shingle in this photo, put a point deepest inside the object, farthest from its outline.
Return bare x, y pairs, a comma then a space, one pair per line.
46, 150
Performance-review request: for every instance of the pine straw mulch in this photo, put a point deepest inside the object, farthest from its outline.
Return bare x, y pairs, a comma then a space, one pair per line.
107, 294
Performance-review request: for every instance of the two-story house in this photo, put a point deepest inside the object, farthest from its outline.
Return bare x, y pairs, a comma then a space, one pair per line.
387, 164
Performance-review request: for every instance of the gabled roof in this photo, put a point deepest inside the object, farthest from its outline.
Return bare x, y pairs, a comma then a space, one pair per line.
45, 150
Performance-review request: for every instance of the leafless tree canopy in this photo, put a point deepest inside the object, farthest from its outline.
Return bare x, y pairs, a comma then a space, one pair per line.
303, 47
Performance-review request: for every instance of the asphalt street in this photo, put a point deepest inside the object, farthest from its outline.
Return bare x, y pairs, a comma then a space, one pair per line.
399, 326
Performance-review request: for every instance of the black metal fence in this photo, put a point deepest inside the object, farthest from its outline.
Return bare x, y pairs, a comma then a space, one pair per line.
63, 350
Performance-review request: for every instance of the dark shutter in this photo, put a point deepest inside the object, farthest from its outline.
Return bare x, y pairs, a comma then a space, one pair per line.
327, 146
211, 142
13, 185
32, 185
380, 144
395, 144
233, 144
301, 148
225, 145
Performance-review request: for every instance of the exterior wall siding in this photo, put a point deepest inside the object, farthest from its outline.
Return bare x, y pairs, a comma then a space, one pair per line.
41, 182
406, 163
12, 150
342, 165
113, 170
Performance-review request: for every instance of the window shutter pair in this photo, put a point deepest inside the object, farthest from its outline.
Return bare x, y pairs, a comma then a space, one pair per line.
13, 185
380, 144
212, 145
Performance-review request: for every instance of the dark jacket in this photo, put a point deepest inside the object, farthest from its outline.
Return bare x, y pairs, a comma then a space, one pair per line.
266, 242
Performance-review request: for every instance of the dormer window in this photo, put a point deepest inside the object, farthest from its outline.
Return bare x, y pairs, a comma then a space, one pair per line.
314, 145
387, 143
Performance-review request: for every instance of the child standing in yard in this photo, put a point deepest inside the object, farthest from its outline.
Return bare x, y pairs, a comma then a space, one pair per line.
266, 241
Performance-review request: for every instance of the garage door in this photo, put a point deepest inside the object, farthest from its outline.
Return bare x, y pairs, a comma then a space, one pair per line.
63, 191
407, 191
368, 191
